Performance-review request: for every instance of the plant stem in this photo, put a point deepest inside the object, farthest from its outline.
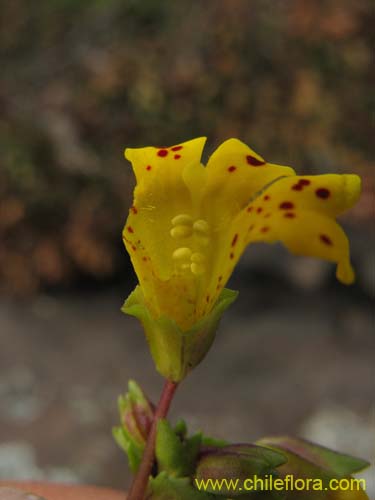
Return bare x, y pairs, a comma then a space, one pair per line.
138, 488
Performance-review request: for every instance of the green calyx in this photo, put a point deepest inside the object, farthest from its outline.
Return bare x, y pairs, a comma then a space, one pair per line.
176, 352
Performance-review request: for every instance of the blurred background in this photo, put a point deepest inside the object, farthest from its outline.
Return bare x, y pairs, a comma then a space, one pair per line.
81, 80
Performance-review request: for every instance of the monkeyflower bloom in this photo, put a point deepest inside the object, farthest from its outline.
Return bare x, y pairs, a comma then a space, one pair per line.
190, 223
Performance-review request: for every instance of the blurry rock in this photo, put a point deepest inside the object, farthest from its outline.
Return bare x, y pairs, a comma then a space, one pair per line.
19, 402
17, 459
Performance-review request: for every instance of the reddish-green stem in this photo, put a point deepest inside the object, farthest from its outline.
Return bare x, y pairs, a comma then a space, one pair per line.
138, 488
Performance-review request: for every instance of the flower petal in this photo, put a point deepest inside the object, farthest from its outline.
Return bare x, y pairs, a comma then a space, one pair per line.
235, 174
330, 194
300, 212
307, 233
160, 223
164, 165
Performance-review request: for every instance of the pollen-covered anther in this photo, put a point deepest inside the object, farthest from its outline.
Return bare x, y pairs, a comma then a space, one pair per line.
182, 219
197, 268
202, 232
201, 227
182, 226
181, 231
182, 253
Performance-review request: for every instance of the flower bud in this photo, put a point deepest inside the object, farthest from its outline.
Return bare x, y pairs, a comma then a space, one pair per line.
136, 415
237, 463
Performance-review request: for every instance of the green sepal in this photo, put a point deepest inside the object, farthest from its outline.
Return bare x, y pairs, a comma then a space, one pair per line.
176, 352
175, 456
164, 487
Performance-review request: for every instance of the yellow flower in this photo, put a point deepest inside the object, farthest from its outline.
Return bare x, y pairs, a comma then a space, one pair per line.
189, 224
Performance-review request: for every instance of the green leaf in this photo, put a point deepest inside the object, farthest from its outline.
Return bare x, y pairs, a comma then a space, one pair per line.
320, 465
176, 352
192, 447
175, 456
169, 450
164, 487
333, 462
213, 442
180, 428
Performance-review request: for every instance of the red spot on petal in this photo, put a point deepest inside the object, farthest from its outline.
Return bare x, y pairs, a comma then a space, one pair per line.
220, 278
286, 205
232, 168
302, 183
207, 299
134, 210
234, 241
323, 193
134, 248
144, 259
267, 197
249, 209
176, 148
267, 216
162, 152
265, 229
254, 162
289, 215
251, 227
177, 157
325, 239
259, 210
130, 229
231, 255
148, 167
